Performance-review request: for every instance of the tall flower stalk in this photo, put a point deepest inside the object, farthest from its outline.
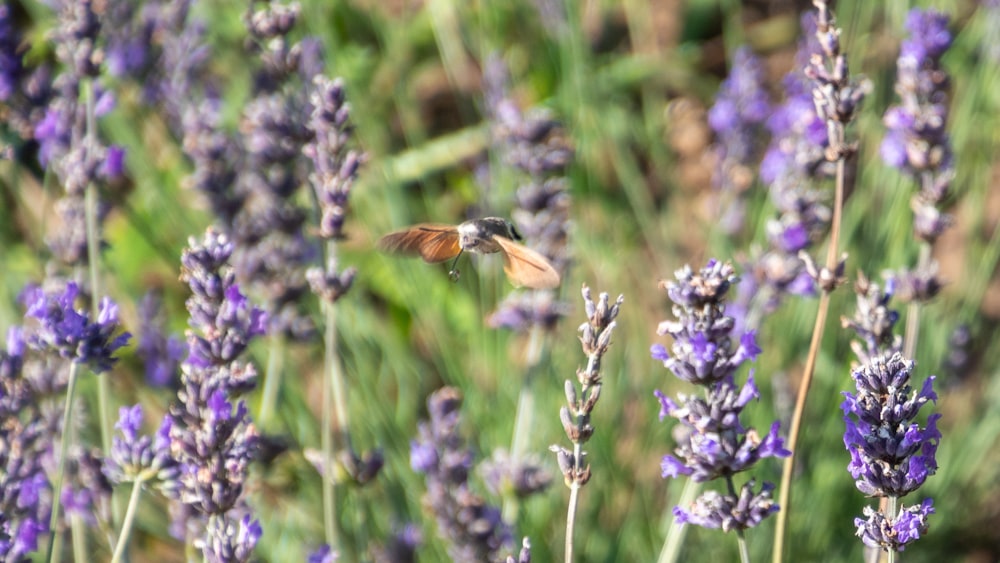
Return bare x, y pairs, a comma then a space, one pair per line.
212, 438
917, 144
474, 529
737, 118
712, 441
62, 329
595, 338
335, 168
836, 99
139, 460
891, 454
24, 512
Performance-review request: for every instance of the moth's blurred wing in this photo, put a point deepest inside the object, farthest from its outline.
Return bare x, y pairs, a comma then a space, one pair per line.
433, 243
525, 267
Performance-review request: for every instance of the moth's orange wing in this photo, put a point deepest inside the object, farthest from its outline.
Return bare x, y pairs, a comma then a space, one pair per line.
525, 267
433, 243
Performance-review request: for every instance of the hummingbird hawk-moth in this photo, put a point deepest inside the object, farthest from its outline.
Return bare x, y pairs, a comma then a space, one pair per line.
437, 243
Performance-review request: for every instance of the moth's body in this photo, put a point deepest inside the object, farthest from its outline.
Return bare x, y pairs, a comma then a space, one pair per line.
479, 235
437, 243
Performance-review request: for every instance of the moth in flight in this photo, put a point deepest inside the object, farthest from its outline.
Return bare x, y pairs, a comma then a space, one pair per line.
437, 243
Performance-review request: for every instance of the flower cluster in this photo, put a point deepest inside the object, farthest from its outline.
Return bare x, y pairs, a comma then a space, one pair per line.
335, 167
211, 436
737, 118
136, 457
795, 154
161, 353
24, 488
67, 142
702, 349
474, 529
70, 332
595, 338
713, 443
873, 322
891, 454
272, 250
916, 141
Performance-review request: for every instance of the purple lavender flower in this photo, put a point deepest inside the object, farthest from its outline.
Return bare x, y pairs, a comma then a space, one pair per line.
474, 529
798, 135
135, 457
891, 455
325, 554
11, 65
272, 251
716, 444
213, 153
881, 532
873, 322
335, 168
24, 443
737, 118
916, 141
595, 339
728, 512
70, 332
162, 354
212, 438
231, 540
702, 351
712, 442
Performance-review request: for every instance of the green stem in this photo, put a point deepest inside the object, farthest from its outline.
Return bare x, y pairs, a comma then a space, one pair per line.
105, 419
574, 496
329, 501
741, 539
272, 379
61, 462
810, 367
123, 537
524, 418
94, 262
676, 532
78, 536
890, 513
913, 309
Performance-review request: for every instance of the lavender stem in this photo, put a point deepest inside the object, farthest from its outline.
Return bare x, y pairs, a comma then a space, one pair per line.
61, 462
133, 503
677, 530
272, 378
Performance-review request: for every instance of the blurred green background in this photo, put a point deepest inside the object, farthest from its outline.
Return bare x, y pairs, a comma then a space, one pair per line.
631, 82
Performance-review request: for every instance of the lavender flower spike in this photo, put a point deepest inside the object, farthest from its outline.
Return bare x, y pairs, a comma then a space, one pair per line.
702, 351
70, 332
891, 454
737, 118
474, 529
712, 441
916, 140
